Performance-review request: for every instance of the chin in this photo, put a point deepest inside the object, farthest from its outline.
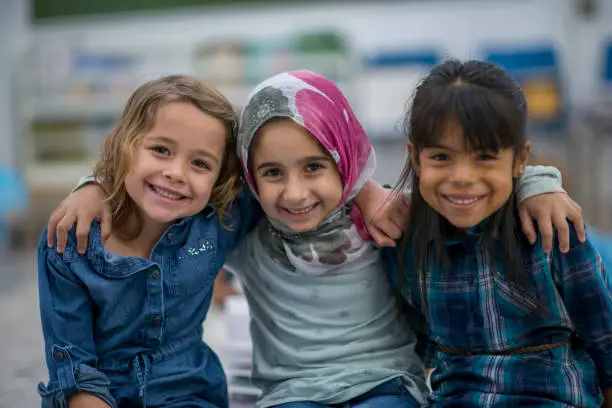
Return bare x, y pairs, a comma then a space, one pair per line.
302, 227
163, 217
465, 223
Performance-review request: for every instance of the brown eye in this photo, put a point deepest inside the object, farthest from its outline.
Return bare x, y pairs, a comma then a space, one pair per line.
312, 167
272, 173
201, 164
160, 150
439, 157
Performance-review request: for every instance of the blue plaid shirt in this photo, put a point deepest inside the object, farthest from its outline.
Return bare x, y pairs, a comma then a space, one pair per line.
474, 307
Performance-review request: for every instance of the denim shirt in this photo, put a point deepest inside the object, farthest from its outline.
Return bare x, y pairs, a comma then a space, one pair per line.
102, 311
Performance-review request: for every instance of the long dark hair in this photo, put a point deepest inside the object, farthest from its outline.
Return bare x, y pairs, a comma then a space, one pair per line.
490, 108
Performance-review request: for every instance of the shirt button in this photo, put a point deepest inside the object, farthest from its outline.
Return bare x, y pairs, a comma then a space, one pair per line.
155, 273
170, 236
59, 355
156, 320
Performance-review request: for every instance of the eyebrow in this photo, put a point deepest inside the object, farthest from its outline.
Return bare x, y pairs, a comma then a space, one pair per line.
172, 142
302, 160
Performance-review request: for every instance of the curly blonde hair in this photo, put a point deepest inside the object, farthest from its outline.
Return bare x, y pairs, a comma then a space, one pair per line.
137, 119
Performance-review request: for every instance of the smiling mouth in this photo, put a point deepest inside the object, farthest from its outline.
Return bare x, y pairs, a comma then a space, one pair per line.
464, 201
165, 193
300, 212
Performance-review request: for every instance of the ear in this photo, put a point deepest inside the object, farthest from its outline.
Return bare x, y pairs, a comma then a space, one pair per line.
414, 158
521, 160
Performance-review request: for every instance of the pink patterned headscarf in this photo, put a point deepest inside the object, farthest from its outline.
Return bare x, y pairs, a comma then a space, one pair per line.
319, 106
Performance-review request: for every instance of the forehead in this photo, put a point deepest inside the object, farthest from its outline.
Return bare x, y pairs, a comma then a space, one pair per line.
453, 136
184, 124
284, 140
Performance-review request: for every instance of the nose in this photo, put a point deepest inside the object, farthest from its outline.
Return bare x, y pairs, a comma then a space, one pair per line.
174, 170
463, 174
295, 191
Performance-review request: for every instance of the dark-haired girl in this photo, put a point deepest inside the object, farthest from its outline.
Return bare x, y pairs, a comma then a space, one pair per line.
503, 323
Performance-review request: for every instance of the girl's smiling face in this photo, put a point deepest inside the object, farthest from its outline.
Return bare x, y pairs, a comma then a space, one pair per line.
464, 185
297, 181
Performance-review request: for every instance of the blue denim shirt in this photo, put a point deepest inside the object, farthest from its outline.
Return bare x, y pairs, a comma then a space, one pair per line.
102, 313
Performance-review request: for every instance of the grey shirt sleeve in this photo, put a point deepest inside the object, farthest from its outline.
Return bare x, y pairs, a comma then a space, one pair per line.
83, 181
538, 180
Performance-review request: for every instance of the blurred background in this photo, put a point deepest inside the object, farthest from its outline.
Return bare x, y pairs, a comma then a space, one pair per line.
67, 67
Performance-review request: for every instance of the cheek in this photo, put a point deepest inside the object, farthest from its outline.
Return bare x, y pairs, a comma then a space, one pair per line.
503, 186
266, 192
203, 184
429, 178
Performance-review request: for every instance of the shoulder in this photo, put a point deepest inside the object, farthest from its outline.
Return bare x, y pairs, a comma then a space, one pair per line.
69, 264
244, 205
581, 257
70, 254
204, 222
603, 244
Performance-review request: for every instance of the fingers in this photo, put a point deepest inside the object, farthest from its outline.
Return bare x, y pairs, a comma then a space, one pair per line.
399, 214
546, 231
389, 228
52, 226
575, 216
527, 225
105, 224
381, 238
563, 232
63, 226
82, 235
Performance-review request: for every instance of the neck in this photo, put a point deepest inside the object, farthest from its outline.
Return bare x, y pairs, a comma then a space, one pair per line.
142, 244
151, 233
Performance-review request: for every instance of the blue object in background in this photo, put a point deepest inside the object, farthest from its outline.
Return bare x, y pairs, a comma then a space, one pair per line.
533, 65
607, 64
603, 244
403, 58
13, 199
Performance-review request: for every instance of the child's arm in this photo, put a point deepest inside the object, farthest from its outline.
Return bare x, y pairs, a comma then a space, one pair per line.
586, 292
551, 211
67, 324
85, 204
86, 400
386, 213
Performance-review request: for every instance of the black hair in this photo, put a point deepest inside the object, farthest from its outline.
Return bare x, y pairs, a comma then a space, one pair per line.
491, 111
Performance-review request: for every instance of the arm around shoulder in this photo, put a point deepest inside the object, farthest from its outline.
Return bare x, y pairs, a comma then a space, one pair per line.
67, 324
585, 288
539, 180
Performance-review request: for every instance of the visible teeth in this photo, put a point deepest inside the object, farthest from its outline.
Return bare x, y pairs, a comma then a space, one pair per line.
463, 201
166, 194
302, 211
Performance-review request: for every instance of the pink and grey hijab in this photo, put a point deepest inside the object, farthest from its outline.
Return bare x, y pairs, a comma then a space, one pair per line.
319, 106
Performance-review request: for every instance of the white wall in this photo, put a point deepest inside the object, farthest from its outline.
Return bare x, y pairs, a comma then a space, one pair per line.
457, 27
14, 37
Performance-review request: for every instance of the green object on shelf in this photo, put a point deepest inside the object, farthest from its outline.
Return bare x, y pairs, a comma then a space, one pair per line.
44, 9
321, 42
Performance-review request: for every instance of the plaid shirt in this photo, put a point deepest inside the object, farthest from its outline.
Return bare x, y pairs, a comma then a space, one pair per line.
473, 307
